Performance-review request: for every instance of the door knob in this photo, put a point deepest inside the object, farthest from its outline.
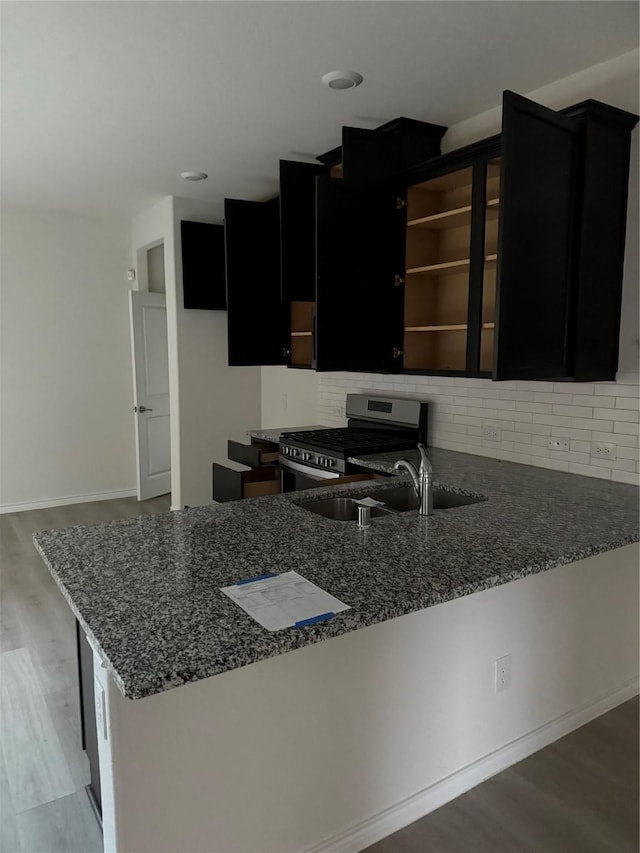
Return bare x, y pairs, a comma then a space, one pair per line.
142, 409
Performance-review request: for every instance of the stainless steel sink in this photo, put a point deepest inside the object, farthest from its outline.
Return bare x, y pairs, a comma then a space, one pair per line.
340, 509
400, 499
404, 498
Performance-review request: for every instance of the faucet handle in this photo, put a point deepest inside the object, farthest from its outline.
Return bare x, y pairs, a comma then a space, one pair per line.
425, 462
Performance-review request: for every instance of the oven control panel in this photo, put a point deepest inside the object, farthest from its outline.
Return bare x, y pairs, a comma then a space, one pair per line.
308, 457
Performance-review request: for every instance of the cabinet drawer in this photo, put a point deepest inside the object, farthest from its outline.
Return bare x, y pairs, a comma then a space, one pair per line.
255, 455
234, 483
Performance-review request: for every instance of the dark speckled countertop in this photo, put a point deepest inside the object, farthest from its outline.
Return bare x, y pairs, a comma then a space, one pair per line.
146, 590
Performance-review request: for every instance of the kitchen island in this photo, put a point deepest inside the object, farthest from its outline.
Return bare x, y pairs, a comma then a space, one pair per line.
246, 740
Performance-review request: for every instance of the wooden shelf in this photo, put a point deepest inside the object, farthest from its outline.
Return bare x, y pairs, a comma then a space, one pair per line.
446, 219
456, 218
452, 328
301, 334
449, 267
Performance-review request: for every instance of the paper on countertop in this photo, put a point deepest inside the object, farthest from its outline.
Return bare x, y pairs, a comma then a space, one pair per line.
369, 502
283, 601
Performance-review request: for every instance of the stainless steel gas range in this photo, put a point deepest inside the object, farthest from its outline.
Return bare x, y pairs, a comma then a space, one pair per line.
375, 424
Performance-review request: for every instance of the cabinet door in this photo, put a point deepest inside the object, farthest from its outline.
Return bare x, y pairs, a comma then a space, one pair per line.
369, 157
358, 303
203, 267
256, 316
605, 136
536, 242
298, 229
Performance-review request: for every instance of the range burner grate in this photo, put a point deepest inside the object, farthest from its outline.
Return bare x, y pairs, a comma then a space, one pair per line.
343, 440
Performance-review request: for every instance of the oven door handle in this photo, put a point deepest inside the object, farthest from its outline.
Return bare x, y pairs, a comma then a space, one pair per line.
318, 473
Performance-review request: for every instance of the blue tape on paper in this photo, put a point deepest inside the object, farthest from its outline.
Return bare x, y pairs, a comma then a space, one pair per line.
313, 619
253, 580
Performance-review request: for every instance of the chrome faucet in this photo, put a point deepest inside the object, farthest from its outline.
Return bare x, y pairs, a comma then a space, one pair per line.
422, 479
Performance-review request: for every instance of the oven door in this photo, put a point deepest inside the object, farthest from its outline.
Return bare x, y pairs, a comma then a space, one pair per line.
297, 476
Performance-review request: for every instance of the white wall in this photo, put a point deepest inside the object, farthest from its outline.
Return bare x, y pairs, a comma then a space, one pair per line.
66, 429
210, 401
528, 414
331, 747
289, 397
217, 402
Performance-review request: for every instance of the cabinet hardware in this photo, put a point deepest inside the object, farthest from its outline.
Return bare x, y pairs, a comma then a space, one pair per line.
286, 352
398, 280
397, 352
141, 409
400, 203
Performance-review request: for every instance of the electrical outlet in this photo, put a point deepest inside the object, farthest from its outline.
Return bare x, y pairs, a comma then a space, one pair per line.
603, 451
337, 411
502, 673
558, 444
492, 433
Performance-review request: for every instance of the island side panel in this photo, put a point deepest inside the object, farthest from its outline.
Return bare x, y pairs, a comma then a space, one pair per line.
286, 753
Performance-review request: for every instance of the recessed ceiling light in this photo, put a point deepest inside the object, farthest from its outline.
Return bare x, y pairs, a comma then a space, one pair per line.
194, 176
342, 79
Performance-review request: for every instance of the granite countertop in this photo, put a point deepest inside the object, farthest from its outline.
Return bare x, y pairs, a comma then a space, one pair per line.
146, 590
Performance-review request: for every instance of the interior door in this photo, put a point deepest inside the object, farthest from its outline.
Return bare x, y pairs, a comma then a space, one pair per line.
256, 316
536, 242
359, 300
148, 316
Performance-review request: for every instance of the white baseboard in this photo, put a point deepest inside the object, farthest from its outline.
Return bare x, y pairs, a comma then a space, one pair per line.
69, 499
396, 817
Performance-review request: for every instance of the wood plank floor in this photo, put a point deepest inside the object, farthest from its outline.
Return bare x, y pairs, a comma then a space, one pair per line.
43, 770
579, 795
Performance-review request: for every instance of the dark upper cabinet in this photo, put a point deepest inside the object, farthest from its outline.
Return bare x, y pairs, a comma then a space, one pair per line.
203, 266
514, 248
358, 318
297, 229
369, 157
502, 260
372, 156
257, 321
604, 135
536, 242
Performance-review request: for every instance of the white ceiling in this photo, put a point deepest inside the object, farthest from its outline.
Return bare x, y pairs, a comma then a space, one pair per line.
105, 103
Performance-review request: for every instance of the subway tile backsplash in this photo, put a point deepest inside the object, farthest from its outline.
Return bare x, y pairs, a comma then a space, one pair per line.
526, 415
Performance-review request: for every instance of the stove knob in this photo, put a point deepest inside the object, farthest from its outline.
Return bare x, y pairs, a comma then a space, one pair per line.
285, 451
306, 456
296, 452
330, 463
320, 460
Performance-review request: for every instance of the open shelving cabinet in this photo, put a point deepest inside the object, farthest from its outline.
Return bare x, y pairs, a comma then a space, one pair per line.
301, 334
438, 306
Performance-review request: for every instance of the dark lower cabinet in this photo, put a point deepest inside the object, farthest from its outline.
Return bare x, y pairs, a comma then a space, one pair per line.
88, 718
236, 483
